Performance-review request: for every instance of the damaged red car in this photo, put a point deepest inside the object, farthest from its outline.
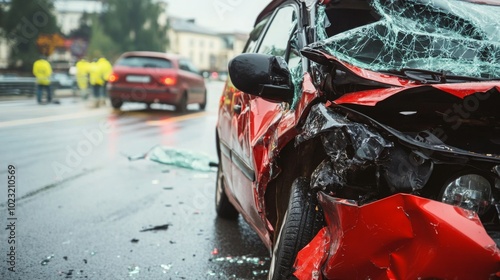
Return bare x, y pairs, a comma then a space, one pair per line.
361, 139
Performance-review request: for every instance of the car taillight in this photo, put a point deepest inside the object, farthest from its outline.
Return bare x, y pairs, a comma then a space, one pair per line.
113, 78
168, 81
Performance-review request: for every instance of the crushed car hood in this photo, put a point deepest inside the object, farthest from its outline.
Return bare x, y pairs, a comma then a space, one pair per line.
390, 85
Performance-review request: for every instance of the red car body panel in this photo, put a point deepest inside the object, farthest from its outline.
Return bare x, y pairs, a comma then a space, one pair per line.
405, 232
267, 128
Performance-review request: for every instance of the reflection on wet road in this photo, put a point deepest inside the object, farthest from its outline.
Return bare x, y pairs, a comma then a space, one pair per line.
85, 211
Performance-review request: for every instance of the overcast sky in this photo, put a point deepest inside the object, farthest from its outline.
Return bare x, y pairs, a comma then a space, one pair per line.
219, 15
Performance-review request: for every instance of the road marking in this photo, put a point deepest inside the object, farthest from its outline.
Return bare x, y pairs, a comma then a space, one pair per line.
53, 118
177, 119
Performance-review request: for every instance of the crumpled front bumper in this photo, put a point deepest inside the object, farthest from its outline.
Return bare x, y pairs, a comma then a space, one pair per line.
399, 237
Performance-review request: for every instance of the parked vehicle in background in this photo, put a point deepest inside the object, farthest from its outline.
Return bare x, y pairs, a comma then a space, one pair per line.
63, 81
361, 139
155, 77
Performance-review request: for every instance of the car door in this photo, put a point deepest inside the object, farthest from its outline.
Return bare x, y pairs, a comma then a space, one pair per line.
228, 110
253, 117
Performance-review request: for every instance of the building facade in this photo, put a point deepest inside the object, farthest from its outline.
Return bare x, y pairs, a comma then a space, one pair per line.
207, 49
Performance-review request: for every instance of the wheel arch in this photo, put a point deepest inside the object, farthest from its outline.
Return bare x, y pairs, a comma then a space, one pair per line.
293, 161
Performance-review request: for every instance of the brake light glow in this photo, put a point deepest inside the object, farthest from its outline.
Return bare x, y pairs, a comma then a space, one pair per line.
169, 81
113, 78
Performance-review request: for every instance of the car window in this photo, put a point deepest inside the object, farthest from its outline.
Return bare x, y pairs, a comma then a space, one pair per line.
275, 41
255, 35
144, 62
186, 65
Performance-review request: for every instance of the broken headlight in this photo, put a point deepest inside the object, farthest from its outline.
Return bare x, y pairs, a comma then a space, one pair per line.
471, 192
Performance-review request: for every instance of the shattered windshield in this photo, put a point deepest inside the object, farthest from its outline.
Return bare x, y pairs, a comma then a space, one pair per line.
452, 37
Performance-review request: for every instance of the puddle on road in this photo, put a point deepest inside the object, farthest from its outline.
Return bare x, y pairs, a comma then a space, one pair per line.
180, 158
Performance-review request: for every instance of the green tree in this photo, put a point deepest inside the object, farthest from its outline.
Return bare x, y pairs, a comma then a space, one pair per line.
84, 30
133, 25
23, 23
101, 45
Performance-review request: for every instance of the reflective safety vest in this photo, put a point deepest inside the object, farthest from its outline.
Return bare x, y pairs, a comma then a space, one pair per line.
42, 71
82, 74
106, 68
96, 76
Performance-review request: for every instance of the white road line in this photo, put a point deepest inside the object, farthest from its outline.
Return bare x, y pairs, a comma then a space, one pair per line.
177, 119
39, 120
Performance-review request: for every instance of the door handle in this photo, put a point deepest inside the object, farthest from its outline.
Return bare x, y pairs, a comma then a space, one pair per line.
237, 109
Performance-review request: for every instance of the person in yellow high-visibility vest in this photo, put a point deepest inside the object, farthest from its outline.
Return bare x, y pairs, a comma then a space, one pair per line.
107, 69
82, 77
42, 71
97, 82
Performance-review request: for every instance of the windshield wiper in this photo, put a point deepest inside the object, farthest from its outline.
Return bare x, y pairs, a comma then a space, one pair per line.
431, 77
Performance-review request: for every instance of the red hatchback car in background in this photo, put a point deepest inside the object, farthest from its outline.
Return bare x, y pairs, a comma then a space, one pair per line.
156, 77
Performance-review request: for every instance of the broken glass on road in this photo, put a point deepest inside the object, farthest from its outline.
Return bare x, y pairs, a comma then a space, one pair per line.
180, 158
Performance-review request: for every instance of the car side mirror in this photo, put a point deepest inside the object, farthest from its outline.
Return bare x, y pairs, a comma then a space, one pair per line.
266, 76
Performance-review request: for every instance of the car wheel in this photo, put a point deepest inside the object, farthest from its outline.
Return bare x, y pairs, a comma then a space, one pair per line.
182, 105
223, 207
116, 103
203, 105
302, 221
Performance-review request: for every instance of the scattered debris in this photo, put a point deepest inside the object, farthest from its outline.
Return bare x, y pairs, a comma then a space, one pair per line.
46, 260
260, 272
155, 228
242, 260
134, 240
68, 274
65, 258
166, 267
132, 270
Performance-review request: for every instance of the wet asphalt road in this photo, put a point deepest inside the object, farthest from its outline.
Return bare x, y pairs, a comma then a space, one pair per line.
83, 210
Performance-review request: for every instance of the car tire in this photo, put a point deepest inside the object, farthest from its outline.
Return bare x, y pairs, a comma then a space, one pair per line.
116, 103
223, 207
181, 107
302, 221
203, 105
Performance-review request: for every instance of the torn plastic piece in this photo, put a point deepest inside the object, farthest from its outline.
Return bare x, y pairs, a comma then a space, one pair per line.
400, 237
367, 144
179, 157
354, 149
451, 37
